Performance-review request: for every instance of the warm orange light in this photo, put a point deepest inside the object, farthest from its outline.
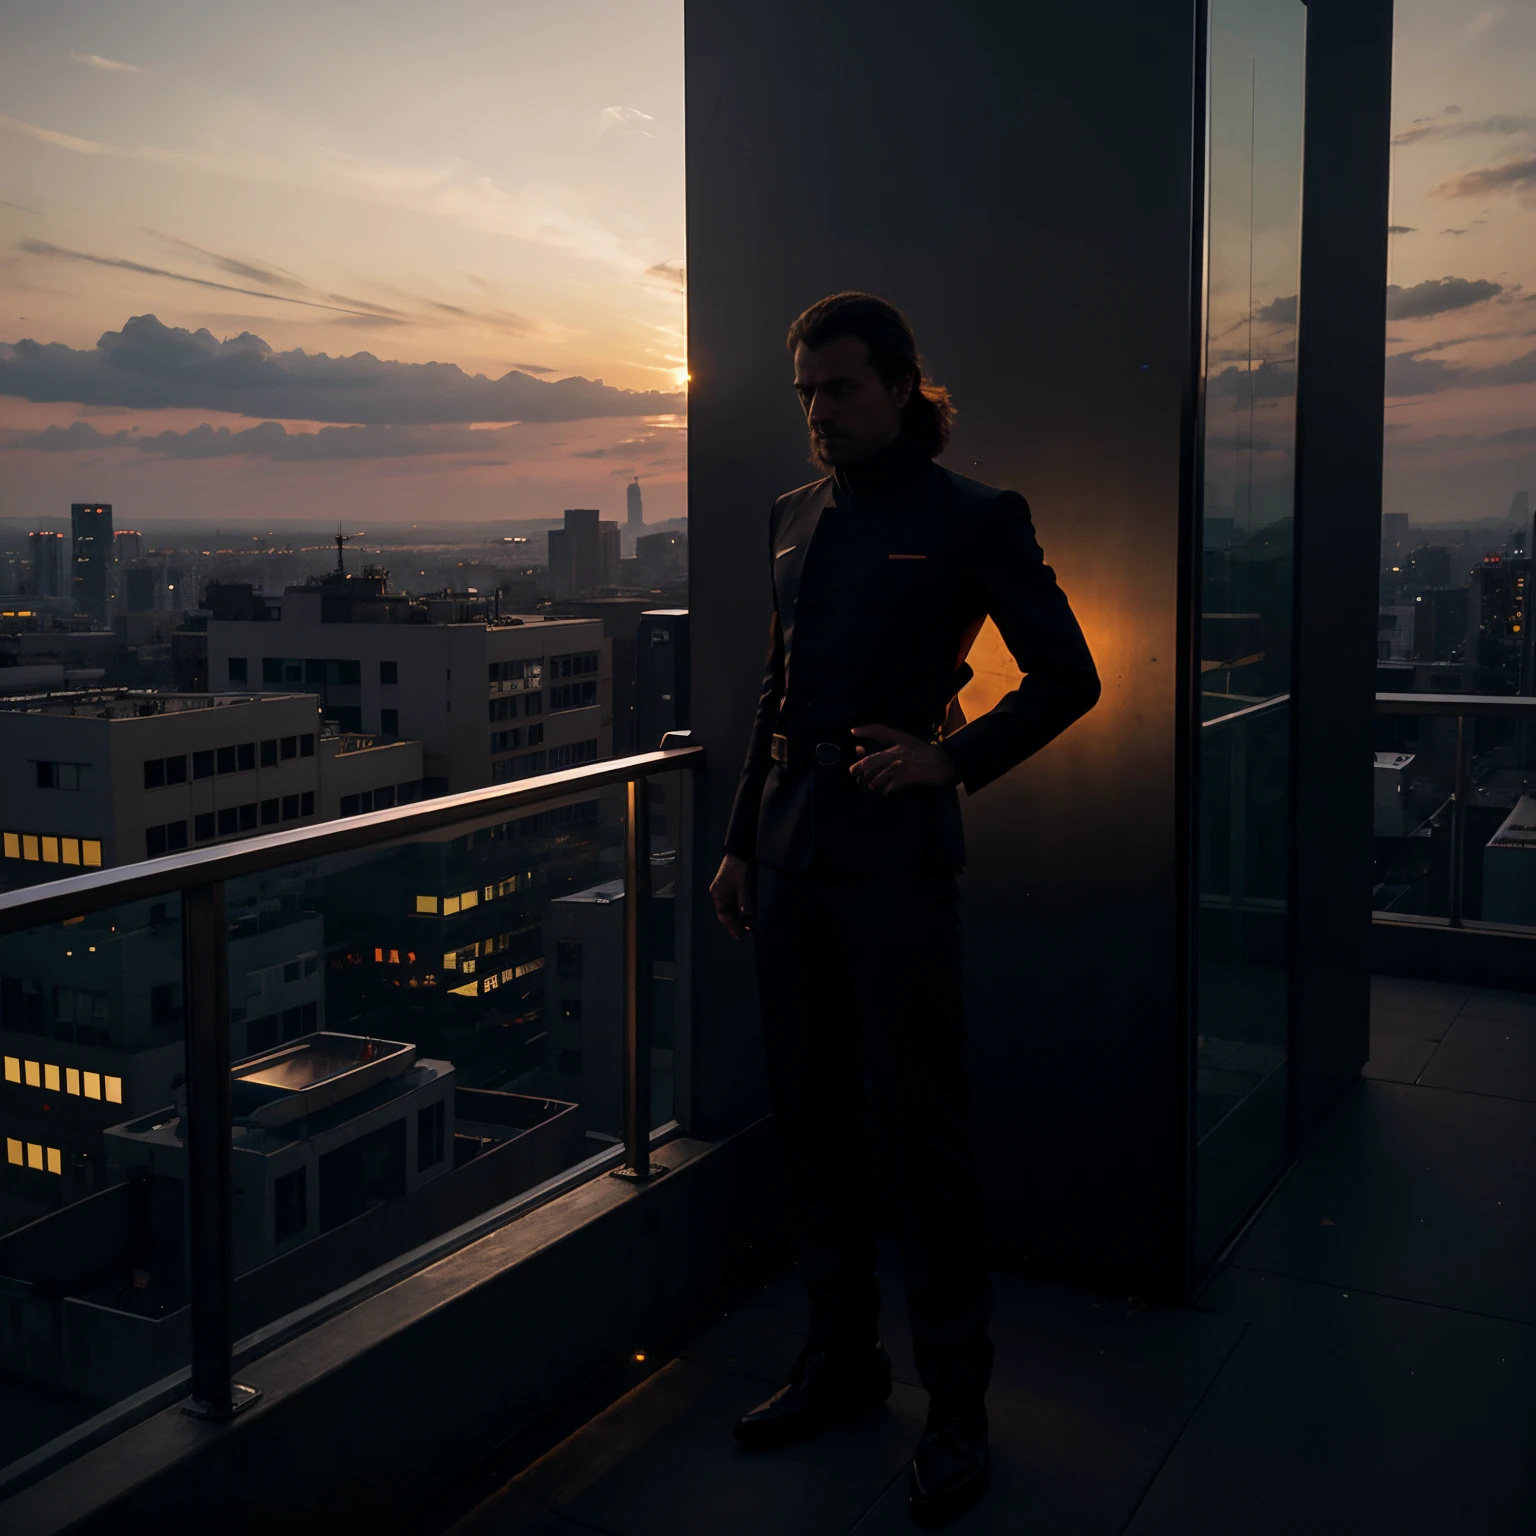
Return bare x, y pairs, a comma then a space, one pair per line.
639, 1359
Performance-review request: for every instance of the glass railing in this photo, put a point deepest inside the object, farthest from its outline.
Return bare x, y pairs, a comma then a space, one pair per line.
1455, 808
246, 1086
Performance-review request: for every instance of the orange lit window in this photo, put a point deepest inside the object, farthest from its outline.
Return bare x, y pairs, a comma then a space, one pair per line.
426, 904
34, 1156
70, 848
470, 899
394, 957
29, 847
50, 850
90, 853
50, 1077
93, 1085
13, 1151
450, 905
114, 1087
34, 1074
12, 846
13, 1069
72, 1080
378, 957
55, 1160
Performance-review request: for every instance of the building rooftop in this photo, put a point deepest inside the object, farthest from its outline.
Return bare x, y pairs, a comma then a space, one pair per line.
131, 703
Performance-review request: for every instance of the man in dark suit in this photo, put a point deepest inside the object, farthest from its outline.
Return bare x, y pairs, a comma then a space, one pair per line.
841, 859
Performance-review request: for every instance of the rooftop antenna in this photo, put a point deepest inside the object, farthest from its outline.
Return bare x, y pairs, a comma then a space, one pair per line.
342, 540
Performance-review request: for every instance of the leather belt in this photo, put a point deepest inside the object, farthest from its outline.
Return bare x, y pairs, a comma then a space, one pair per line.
802, 752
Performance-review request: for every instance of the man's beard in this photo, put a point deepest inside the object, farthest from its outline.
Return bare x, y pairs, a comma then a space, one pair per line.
818, 457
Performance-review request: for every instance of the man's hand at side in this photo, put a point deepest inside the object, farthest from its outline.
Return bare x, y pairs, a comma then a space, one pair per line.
904, 761
734, 893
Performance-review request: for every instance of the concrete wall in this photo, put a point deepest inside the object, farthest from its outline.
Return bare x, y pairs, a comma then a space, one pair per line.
1019, 180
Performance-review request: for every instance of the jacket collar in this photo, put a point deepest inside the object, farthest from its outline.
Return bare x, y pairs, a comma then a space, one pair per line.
897, 465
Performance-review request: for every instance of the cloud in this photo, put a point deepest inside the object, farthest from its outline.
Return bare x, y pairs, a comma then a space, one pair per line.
1453, 231
630, 448
673, 274
1438, 296
1278, 311
532, 368
148, 366
60, 253
1410, 374
1500, 124
1514, 176
1269, 381
1401, 229
95, 61
630, 119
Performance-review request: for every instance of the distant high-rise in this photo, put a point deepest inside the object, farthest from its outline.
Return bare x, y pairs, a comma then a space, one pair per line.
1520, 507
47, 563
635, 517
127, 545
91, 559
1394, 539
584, 554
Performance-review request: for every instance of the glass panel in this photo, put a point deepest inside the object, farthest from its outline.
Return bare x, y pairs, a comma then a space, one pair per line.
1248, 535
1417, 872
420, 1033
92, 1257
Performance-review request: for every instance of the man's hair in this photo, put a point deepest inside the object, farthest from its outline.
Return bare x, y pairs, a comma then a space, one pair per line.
893, 354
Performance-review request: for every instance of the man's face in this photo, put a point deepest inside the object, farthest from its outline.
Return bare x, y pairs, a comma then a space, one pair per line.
851, 411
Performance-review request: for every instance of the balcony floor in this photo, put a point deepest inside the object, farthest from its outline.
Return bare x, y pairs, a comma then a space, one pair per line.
1364, 1363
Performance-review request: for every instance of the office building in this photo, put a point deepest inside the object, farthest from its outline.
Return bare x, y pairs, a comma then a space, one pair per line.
662, 559
99, 778
1499, 625
584, 555
1430, 566
91, 559
491, 699
634, 510
1440, 624
47, 551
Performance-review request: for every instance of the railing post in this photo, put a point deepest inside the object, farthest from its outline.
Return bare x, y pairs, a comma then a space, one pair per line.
637, 985
206, 1136
1458, 823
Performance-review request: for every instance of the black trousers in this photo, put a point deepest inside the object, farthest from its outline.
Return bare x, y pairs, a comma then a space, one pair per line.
860, 982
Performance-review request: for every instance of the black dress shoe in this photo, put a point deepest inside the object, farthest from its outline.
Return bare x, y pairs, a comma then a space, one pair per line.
823, 1386
949, 1471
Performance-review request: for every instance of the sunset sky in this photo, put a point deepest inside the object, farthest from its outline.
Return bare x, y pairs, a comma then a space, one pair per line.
402, 229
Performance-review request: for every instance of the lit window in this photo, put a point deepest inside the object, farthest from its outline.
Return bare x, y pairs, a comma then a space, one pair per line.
378, 957
70, 848
450, 963
426, 904
12, 846
13, 1069
72, 1080
90, 853
469, 989
29, 847
450, 905
55, 1160
114, 1086
50, 850
93, 1085
470, 899
34, 1156
34, 1074
50, 1077
394, 957
13, 1151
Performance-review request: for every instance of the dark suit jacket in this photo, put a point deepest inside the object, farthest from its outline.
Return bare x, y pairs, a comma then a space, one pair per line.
882, 576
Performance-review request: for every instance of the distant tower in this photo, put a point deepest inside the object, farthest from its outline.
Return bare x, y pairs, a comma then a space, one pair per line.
91, 559
635, 520
47, 563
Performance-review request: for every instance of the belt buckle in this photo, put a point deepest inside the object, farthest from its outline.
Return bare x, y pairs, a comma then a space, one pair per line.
827, 753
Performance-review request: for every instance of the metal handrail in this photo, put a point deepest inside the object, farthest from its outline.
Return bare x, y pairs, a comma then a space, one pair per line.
1505, 705
34, 905
1251, 712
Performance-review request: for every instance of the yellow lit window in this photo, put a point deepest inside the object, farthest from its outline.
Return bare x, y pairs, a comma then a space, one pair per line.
450, 905
12, 846
13, 1069
29, 847
93, 1085
72, 1080
34, 1156
50, 850
50, 1077
469, 989
34, 1074
450, 963
13, 1151
426, 904
114, 1087
489, 893
529, 966
55, 1160
69, 847
470, 899
90, 853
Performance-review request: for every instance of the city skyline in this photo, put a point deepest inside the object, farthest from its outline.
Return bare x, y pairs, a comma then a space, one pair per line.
391, 276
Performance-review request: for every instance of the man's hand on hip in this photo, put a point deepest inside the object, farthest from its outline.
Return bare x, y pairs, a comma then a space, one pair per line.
903, 761
734, 894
